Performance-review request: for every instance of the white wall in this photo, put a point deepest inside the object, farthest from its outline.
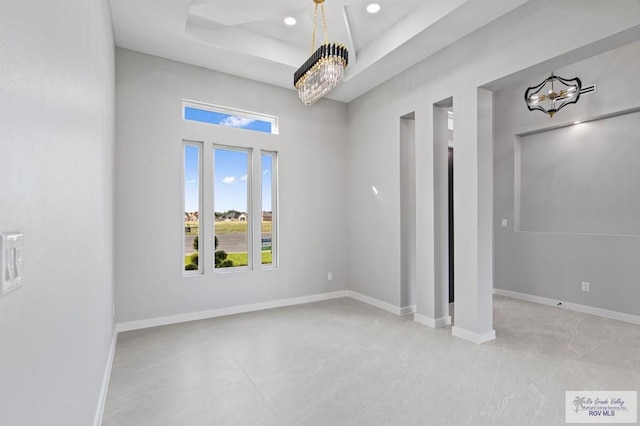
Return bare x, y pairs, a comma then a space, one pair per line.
553, 264
502, 48
56, 161
149, 218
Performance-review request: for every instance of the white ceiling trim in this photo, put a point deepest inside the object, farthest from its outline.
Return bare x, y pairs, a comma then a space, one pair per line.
248, 39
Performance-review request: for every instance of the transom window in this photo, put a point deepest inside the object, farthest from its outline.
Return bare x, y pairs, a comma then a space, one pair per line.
229, 117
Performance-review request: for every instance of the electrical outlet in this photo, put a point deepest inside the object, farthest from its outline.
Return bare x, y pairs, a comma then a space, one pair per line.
585, 286
505, 223
330, 276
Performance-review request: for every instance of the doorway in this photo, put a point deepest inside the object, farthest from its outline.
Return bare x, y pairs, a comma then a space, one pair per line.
443, 207
450, 191
408, 212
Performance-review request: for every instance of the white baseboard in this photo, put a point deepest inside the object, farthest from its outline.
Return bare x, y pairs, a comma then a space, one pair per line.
634, 319
213, 313
97, 420
430, 322
477, 338
407, 310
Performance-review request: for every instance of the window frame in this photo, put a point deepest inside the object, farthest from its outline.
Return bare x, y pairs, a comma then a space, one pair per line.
250, 230
272, 119
274, 209
200, 147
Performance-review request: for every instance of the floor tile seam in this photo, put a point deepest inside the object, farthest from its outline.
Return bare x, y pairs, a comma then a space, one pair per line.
295, 380
422, 378
540, 405
405, 404
344, 380
475, 367
321, 361
257, 389
325, 397
495, 380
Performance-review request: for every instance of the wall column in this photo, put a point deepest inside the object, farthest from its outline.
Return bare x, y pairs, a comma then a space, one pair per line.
473, 217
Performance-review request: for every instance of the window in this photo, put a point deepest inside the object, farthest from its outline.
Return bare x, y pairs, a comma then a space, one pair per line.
191, 202
232, 206
269, 208
229, 117
234, 190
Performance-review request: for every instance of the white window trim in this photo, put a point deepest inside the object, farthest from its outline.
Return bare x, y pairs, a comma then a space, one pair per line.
200, 147
250, 230
232, 111
274, 210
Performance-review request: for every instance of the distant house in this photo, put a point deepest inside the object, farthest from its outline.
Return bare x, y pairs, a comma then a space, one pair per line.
242, 217
267, 216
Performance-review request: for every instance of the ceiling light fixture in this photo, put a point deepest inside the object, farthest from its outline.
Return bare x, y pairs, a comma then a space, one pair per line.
547, 100
290, 21
373, 8
325, 67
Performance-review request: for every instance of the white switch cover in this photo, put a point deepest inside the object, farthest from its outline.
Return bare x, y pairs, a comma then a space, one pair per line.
504, 223
10, 262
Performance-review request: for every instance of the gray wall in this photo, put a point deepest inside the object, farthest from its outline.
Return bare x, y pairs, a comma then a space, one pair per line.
149, 218
579, 185
56, 167
501, 49
581, 179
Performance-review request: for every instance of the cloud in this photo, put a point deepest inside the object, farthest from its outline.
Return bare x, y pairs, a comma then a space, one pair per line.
266, 172
243, 178
191, 181
234, 121
230, 179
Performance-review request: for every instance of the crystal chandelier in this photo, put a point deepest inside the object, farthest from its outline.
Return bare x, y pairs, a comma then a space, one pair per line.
325, 67
550, 101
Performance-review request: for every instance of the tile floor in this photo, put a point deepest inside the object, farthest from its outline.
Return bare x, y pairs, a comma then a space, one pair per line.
342, 362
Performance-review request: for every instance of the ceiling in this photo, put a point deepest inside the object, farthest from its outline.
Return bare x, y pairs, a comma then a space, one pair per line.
249, 39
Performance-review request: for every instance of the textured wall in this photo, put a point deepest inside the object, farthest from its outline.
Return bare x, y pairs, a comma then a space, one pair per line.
56, 168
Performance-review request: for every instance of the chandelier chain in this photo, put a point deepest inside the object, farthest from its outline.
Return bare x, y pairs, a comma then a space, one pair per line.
315, 26
324, 25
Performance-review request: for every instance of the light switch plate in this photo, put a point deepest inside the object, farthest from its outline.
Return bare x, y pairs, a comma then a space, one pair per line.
10, 262
505, 223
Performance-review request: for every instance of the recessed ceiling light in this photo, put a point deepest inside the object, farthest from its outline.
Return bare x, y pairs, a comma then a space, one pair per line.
373, 8
290, 21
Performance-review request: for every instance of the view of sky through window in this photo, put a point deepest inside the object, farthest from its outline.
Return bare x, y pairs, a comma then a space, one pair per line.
230, 185
231, 172
228, 120
191, 187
